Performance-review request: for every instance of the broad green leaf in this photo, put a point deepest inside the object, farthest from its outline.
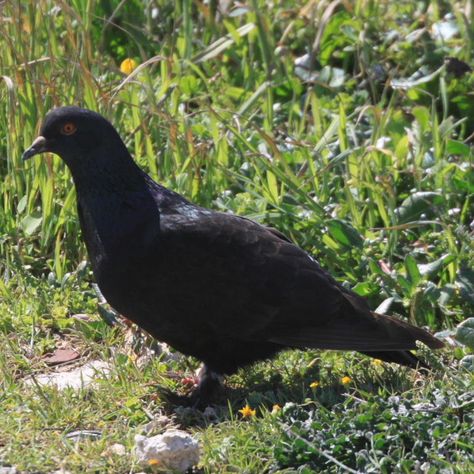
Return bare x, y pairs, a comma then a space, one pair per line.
403, 282
465, 333
423, 116
419, 203
420, 77
402, 147
31, 223
236, 93
365, 288
333, 37
454, 147
468, 362
412, 269
189, 84
272, 186
465, 282
330, 242
22, 204
432, 268
344, 233
109, 316
375, 267
464, 180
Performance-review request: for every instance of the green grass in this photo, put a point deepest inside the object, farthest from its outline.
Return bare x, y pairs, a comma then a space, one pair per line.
376, 181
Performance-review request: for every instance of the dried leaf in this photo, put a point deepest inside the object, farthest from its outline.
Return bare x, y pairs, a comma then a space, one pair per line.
61, 356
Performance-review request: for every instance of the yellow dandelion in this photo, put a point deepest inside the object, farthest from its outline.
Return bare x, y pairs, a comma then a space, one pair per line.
346, 380
247, 411
153, 462
314, 385
275, 409
128, 65
377, 362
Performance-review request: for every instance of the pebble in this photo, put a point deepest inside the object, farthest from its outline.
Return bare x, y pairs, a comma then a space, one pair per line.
174, 450
8, 470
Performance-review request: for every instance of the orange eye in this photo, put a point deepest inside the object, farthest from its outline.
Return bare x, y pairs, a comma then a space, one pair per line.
68, 128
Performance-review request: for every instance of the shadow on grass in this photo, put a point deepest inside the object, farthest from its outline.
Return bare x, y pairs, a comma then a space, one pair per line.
266, 384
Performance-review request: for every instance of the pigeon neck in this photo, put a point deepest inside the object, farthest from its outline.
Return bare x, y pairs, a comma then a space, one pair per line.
120, 175
118, 213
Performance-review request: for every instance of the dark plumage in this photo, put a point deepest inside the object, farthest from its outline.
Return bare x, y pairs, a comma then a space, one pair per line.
219, 287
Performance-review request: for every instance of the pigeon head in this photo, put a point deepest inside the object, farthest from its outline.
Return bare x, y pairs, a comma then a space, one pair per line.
78, 136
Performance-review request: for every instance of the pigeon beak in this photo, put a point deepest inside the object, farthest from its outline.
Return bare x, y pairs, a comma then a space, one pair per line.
40, 145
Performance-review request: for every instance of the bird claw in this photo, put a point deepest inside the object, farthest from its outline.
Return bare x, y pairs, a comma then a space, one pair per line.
208, 390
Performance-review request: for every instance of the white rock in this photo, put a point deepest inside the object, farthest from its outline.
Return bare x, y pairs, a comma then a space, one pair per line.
77, 378
8, 470
175, 449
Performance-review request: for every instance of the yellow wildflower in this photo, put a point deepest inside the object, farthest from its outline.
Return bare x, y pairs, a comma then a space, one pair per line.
247, 411
128, 65
377, 362
346, 380
275, 409
153, 462
314, 384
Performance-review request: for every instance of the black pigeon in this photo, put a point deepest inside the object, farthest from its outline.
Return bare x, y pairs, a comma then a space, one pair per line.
219, 287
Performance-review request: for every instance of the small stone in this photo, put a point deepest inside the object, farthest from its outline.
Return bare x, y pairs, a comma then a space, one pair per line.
82, 317
78, 378
8, 470
174, 449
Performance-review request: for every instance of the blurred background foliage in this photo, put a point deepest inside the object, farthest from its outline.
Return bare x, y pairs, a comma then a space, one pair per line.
347, 125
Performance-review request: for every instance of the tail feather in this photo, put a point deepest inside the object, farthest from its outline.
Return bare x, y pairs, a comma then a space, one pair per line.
410, 333
379, 336
406, 358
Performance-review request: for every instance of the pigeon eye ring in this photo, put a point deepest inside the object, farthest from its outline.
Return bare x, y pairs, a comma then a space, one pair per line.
68, 128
